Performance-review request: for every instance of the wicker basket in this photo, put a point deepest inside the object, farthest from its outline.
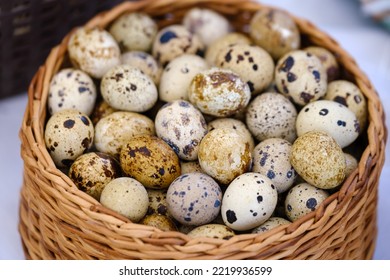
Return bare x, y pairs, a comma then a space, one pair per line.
57, 221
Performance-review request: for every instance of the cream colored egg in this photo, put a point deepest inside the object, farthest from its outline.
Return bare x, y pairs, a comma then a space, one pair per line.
271, 223
161, 222
144, 62
213, 231
351, 164
101, 110
327, 59
190, 166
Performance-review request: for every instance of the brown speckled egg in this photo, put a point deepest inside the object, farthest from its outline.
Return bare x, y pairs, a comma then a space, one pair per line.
331, 117
150, 160
328, 60
68, 134
173, 41
275, 31
351, 164
219, 92
127, 88
157, 202
252, 63
302, 76
348, 94
303, 199
224, 154
101, 110
190, 166
222, 43
161, 222
144, 62
271, 158
194, 199
113, 131
94, 51
177, 76
134, 31
249, 200
91, 172
127, 197
71, 89
182, 126
271, 223
271, 115
318, 159
213, 231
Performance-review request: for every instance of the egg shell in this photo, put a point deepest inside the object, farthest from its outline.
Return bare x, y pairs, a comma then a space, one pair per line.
190, 167
224, 155
144, 62
349, 94
351, 164
252, 63
271, 115
93, 50
68, 134
91, 172
219, 92
318, 159
71, 89
173, 41
150, 161
114, 130
331, 117
302, 76
271, 223
194, 199
127, 88
248, 201
271, 158
161, 222
327, 59
275, 31
134, 31
216, 231
101, 110
158, 202
207, 24
177, 76
224, 42
127, 197
303, 199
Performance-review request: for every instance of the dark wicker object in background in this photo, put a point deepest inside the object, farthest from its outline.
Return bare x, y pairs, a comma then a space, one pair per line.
28, 31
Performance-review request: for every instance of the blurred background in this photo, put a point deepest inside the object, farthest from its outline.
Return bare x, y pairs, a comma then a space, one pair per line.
30, 28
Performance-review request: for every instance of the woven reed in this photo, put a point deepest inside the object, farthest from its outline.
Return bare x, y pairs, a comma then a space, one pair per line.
57, 221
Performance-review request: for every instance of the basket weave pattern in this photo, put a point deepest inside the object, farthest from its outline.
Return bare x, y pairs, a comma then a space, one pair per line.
57, 221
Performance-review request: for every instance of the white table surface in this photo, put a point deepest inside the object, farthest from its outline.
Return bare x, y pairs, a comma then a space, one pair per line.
368, 43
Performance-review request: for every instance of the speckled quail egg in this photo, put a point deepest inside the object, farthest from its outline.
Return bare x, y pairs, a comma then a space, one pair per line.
351, 164
173, 41
101, 110
134, 31
127, 88
91, 172
177, 76
303, 199
161, 222
213, 231
127, 197
113, 131
144, 62
318, 159
71, 89
224, 154
252, 63
275, 31
302, 76
190, 167
271, 158
207, 24
271, 115
224, 42
157, 202
348, 94
194, 199
249, 200
68, 134
219, 92
271, 223
331, 117
235, 124
327, 59
94, 51
182, 126
150, 160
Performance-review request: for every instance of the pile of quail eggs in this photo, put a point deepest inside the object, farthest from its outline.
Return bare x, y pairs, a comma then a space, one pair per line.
200, 128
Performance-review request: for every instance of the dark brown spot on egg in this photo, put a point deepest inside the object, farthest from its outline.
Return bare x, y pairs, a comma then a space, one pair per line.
69, 124
317, 75
231, 216
357, 99
311, 203
85, 143
341, 100
133, 87
287, 64
291, 77
84, 120
306, 97
228, 56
